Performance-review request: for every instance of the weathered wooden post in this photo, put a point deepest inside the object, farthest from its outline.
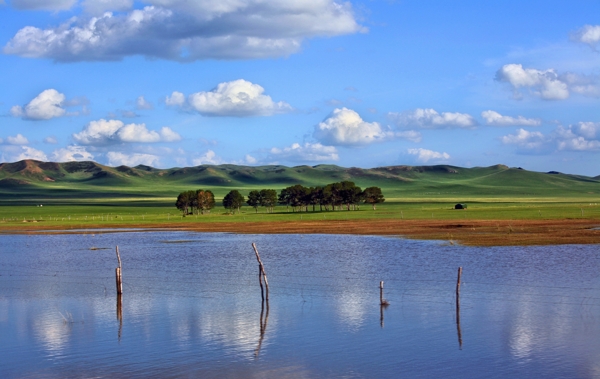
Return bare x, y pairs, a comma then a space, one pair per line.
118, 274
261, 273
458, 283
458, 308
382, 301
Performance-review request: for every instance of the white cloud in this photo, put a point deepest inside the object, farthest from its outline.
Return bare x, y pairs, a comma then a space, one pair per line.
589, 35
141, 103
104, 132
50, 140
46, 105
97, 7
410, 135
238, 98
313, 152
495, 118
586, 85
30, 153
116, 158
71, 153
545, 84
210, 157
17, 140
176, 99
528, 141
431, 119
424, 155
184, 30
46, 5
345, 127
584, 136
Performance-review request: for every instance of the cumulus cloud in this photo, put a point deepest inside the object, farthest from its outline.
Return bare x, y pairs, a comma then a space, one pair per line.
116, 158
17, 140
210, 157
46, 5
309, 152
71, 153
176, 99
46, 105
28, 152
545, 84
345, 127
431, 119
589, 35
105, 132
583, 136
496, 119
548, 84
526, 140
424, 155
238, 98
184, 30
142, 104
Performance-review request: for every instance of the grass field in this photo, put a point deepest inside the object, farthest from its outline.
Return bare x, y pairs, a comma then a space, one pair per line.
86, 195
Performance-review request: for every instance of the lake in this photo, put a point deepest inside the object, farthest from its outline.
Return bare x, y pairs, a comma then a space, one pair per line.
191, 307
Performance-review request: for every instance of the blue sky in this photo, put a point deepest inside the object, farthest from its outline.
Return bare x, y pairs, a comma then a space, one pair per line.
361, 83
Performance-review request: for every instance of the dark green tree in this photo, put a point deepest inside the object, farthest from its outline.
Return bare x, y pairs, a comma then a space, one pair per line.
373, 196
254, 199
233, 200
186, 202
205, 200
268, 199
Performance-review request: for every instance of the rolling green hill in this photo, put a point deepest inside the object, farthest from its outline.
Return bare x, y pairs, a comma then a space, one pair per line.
30, 179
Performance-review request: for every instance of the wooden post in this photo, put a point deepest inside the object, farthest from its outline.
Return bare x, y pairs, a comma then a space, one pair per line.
262, 271
382, 301
118, 274
458, 308
458, 283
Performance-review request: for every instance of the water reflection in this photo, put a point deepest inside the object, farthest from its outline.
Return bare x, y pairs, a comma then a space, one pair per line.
198, 318
263, 326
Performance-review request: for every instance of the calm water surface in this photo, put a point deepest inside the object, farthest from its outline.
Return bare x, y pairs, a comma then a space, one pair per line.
192, 308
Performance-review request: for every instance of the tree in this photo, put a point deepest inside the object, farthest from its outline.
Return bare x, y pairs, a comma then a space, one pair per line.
373, 195
254, 199
186, 201
351, 194
205, 200
268, 199
233, 200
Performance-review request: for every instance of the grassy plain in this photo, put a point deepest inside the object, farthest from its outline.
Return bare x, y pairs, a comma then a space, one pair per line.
538, 208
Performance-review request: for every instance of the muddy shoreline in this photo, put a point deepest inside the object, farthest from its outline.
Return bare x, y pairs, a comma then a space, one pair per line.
471, 233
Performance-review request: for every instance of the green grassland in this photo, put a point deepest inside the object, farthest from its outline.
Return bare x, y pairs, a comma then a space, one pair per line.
87, 194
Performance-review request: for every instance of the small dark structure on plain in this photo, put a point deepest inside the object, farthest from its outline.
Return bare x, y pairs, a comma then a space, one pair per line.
460, 206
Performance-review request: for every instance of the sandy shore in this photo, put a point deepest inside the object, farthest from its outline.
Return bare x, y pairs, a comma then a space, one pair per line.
472, 233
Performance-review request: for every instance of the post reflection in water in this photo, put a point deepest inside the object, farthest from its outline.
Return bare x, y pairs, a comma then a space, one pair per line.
120, 313
263, 325
381, 308
458, 331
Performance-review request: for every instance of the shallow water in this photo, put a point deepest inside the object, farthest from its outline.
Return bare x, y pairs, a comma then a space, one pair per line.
192, 308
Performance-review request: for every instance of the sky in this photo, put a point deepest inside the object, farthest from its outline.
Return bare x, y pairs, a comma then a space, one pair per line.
177, 83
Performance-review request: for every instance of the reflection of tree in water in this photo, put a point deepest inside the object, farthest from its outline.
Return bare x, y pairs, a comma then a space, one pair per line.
263, 326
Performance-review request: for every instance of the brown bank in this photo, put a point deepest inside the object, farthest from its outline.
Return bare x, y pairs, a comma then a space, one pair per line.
473, 233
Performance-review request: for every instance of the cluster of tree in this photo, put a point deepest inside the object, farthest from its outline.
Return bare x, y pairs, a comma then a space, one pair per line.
263, 198
332, 196
194, 202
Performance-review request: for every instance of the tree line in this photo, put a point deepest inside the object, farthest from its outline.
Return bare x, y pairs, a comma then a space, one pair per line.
333, 196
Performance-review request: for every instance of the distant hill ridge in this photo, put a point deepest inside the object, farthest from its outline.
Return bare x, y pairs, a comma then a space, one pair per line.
28, 176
